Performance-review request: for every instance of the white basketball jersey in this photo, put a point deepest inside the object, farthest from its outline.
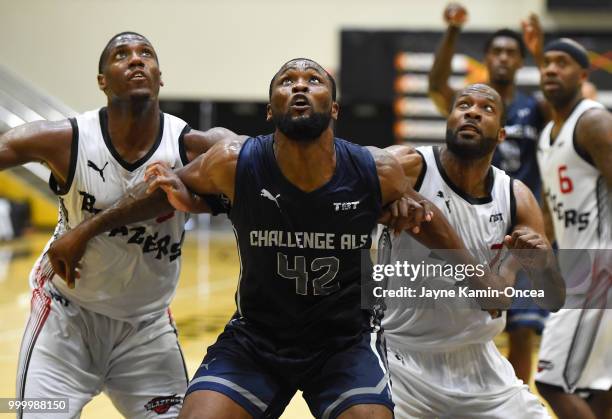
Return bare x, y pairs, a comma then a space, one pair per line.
131, 272
575, 191
482, 223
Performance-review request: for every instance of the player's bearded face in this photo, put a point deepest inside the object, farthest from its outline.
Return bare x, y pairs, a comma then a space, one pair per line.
306, 127
469, 148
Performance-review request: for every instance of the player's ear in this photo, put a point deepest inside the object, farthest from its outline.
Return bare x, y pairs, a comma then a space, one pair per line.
501, 135
161, 81
101, 82
268, 112
335, 110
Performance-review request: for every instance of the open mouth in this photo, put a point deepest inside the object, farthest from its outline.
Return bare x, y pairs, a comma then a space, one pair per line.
299, 102
137, 75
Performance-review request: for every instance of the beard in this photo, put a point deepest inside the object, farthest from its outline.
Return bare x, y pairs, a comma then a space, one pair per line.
469, 150
561, 97
302, 128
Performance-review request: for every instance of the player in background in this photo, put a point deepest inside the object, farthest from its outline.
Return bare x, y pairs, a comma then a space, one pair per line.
575, 159
505, 52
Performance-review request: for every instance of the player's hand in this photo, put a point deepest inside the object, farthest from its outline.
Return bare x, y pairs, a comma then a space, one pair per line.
530, 248
406, 214
455, 15
533, 36
65, 254
161, 176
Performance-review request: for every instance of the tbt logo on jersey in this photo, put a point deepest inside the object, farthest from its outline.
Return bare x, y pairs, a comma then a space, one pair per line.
93, 166
494, 218
345, 206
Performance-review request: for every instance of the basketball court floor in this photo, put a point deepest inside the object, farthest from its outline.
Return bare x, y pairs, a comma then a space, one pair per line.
203, 304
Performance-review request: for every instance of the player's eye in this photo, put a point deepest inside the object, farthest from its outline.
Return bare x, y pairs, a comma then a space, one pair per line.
147, 53
120, 55
315, 79
489, 108
463, 105
286, 81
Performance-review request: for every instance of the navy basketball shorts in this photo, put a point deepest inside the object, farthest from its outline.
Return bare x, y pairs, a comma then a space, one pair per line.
524, 312
263, 384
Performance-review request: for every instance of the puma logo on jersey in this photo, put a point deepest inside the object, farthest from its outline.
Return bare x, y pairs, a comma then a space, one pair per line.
494, 218
446, 201
266, 194
345, 206
97, 169
206, 365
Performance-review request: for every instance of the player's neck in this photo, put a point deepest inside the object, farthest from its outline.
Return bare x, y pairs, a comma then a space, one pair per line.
468, 175
133, 126
306, 164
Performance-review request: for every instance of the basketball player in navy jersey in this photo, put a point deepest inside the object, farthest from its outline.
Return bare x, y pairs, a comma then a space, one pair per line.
92, 158
504, 55
303, 206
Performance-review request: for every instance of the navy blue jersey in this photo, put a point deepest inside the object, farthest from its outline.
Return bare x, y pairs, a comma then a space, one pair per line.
301, 252
517, 155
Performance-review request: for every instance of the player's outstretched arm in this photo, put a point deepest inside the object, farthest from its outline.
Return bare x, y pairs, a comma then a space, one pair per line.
199, 142
402, 176
440, 91
47, 142
211, 173
530, 247
160, 175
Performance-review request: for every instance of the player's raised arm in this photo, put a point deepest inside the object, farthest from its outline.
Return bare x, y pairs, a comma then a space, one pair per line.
529, 245
440, 91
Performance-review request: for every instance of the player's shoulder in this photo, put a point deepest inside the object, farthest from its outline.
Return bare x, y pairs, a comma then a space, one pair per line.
522, 193
595, 122
595, 113
56, 131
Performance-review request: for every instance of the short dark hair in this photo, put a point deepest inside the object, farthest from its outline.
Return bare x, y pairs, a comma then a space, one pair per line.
508, 33
106, 49
329, 76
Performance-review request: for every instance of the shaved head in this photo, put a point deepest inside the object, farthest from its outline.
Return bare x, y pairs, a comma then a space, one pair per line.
486, 91
120, 37
302, 64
